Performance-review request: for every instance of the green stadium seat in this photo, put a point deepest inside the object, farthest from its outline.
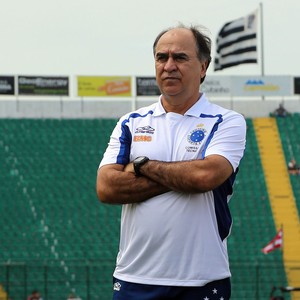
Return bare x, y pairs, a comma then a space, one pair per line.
49, 200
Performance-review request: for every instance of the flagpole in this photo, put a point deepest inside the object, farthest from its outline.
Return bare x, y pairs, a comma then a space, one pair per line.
282, 238
262, 40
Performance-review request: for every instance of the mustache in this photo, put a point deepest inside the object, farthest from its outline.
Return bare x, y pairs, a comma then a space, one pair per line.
170, 77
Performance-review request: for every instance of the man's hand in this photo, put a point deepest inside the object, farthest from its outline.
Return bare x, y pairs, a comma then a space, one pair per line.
117, 184
129, 168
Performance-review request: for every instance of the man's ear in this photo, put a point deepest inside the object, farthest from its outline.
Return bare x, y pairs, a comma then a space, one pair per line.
204, 67
203, 70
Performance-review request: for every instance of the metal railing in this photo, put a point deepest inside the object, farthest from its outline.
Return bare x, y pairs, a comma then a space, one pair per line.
92, 280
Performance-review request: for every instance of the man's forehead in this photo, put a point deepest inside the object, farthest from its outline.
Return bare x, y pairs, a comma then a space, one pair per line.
176, 40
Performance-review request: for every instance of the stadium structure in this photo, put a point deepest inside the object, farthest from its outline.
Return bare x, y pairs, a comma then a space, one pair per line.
57, 238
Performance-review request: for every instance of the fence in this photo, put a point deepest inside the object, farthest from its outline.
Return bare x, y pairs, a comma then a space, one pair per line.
92, 280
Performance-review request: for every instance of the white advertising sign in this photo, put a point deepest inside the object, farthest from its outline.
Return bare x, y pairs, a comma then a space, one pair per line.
261, 86
219, 86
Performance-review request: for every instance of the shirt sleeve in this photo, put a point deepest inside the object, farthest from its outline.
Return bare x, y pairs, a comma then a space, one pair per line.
118, 149
229, 140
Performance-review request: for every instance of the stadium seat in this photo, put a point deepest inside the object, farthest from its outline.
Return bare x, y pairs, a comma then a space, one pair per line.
55, 226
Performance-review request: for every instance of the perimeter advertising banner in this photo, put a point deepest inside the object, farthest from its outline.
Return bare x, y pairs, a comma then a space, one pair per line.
296, 85
7, 85
146, 86
218, 86
41, 85
262, 86
104, 86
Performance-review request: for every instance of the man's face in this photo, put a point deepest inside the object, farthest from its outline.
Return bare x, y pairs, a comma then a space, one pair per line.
178, 69
36, 295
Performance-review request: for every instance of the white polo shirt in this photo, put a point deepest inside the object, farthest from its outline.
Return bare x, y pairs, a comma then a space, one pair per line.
177, 239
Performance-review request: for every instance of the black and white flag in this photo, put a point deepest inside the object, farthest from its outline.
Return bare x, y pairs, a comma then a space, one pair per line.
237, 43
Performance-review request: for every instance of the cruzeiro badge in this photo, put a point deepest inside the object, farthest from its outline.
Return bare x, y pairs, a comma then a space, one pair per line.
196, 136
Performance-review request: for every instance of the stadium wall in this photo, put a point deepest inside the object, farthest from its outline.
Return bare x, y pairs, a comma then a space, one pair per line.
114, 108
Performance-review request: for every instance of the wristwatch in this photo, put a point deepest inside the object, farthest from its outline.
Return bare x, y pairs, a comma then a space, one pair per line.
138, 162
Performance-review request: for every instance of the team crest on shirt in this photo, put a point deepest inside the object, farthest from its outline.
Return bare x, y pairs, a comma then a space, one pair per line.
196, 136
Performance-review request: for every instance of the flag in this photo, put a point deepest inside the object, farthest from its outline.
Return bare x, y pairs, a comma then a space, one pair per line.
237, 42
275, 243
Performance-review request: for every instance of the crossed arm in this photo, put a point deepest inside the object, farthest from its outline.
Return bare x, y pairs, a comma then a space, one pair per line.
117, 184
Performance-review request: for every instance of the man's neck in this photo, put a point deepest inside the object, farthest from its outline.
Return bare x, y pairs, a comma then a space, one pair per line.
177, 105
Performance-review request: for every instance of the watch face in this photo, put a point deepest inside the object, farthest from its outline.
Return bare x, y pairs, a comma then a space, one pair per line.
139, 159
138, 162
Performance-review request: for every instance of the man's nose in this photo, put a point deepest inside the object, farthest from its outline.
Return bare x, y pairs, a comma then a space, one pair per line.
170, 65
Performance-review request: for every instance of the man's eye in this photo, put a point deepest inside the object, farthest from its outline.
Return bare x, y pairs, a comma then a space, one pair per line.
180, 58
161, 58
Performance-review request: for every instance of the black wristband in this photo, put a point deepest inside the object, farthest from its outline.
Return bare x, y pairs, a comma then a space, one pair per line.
138, 162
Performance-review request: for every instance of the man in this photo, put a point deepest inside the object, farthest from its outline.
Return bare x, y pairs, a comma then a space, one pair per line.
172, 166
35, 295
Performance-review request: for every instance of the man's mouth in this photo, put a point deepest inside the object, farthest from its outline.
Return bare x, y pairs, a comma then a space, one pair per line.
171, 78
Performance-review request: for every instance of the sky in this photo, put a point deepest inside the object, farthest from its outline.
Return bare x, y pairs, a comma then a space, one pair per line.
115, 37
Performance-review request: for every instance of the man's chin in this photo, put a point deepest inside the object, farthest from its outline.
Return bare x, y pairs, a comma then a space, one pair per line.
171, 89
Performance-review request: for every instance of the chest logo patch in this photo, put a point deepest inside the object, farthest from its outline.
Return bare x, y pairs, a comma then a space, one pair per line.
143, 134
196, 136
145, 129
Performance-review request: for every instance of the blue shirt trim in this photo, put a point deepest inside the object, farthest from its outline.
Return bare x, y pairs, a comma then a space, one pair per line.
214, 129
126, 138
223, 215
